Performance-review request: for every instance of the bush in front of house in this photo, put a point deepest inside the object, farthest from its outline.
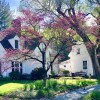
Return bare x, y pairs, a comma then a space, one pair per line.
26, 76
39, 84
16, 75
92, 96
51, 84
37, 73
25, 87
66, 73
63, 72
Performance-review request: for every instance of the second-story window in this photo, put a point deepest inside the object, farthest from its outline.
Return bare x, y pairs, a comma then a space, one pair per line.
78, 51
16, 44
64, 65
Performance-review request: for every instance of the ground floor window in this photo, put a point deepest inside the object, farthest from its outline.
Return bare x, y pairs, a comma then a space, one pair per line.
16, 66
84, 64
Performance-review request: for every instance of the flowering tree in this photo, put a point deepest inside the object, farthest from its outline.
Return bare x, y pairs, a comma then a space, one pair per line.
74, 18
31, 34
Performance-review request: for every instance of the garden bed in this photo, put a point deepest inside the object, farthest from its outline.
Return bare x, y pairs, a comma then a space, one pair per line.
36, 90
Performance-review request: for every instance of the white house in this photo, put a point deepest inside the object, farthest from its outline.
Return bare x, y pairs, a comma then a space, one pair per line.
79, 61
12, 41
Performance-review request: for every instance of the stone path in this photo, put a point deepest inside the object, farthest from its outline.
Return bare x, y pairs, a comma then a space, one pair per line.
75, 95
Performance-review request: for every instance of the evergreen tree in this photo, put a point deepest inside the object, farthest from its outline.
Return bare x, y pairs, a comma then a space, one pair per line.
5, 15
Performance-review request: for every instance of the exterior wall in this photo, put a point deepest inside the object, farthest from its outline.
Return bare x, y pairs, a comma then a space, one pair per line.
6, 66
76, 60
66, 65
29, 65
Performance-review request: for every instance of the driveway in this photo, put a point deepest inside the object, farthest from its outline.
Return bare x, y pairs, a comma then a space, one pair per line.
75, 95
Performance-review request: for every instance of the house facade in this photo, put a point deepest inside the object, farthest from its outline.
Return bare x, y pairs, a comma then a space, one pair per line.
12, 41
79, 61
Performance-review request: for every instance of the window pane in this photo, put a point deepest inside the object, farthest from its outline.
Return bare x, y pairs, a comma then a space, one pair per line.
16, 44
84, 64
78, 51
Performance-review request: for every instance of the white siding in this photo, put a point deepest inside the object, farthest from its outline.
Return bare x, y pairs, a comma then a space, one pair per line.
76, 60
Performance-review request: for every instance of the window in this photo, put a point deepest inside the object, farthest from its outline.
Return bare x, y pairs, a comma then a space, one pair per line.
84, 64
17, 66
64, 65
78, 51
25, 44
16, 44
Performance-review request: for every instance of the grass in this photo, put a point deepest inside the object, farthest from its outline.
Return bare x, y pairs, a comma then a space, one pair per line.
7, 88
30, 89
95, 95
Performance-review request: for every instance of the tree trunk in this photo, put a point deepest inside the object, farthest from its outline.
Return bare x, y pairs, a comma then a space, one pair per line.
85, 38
45, 78
44, 68
92, 52
95, 61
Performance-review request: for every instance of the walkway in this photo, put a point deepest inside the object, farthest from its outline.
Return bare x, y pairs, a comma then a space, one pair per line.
74, 95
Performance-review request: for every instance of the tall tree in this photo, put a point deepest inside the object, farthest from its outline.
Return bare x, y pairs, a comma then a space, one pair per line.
5, 15
33, 37
75, 18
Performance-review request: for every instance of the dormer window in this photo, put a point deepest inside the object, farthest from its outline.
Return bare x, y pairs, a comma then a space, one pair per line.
16, 44
78, 51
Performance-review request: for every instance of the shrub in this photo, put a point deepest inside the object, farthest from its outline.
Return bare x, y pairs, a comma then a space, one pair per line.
53, 84
26, 76
31, 86
64, 83
82, 83
92, 96
39, 84
66, 73
16, 75
41, 93
48, 84
25, 87
37, 73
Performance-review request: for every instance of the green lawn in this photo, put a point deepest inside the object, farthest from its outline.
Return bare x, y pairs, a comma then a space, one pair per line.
9, 87
54, 86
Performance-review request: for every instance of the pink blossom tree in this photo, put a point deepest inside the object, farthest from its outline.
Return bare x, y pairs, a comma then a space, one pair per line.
71, 12
30, 32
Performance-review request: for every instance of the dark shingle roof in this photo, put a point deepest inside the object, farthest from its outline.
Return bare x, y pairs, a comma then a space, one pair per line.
5, 43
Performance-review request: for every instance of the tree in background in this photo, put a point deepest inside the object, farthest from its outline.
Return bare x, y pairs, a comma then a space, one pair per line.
5, 15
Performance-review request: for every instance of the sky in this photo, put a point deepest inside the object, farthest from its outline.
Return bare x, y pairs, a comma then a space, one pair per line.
14, 4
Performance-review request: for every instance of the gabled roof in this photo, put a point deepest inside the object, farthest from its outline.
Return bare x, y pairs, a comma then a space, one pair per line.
5, 43
10, 36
